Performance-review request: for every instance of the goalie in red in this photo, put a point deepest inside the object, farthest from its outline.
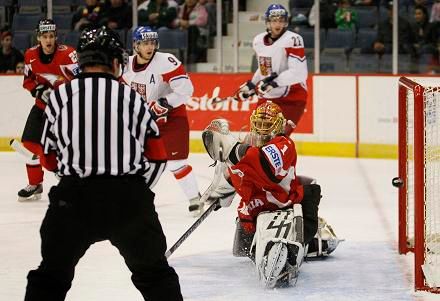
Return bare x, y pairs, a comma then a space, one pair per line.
47, 65
278, 211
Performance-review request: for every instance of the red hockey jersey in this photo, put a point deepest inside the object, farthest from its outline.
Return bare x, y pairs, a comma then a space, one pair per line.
61, 68
265, 178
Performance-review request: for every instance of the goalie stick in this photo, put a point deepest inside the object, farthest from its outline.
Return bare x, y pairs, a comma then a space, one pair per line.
204, 215
19, 148
192, 228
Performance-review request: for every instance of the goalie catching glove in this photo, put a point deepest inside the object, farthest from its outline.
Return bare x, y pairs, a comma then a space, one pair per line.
218, 140
160, 110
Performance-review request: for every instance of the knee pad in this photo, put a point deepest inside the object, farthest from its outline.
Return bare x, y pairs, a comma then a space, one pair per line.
176, 165
179, 168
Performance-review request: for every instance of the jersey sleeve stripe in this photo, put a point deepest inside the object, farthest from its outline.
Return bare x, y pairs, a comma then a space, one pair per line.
176, 72
297, 52
179, 77
301, 59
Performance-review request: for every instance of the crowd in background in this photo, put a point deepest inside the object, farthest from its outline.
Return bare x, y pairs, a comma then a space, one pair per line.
197, 17
419, 29
418, 25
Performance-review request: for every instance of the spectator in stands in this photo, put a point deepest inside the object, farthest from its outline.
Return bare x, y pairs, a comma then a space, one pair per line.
118, 15
192, 16
88, 16
345, 16
9, 56
327, 10
425, 34
435, 12
157, 13
384, 40
19, 68
211, 8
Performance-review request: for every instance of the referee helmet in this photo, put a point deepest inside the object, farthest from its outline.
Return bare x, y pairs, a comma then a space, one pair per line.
99, 47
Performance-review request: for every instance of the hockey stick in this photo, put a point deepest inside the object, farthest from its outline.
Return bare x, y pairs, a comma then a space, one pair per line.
191, 229
216, 99
203, 199
19, 148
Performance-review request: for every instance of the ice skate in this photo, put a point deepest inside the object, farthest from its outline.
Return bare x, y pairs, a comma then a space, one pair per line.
30, 193
195, 206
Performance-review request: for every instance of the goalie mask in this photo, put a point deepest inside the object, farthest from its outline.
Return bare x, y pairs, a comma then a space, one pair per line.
267, 121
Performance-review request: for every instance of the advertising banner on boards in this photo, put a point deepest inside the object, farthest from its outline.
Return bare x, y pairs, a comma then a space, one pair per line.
201, 109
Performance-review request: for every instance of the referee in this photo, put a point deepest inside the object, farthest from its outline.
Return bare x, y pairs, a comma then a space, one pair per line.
100, 137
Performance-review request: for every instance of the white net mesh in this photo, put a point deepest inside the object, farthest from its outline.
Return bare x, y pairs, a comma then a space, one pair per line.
431, 267
431, 166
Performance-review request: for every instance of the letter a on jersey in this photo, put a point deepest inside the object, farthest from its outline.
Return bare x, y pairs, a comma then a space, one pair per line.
152, 81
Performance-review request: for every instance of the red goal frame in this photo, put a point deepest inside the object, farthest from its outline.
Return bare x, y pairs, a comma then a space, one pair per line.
418, 246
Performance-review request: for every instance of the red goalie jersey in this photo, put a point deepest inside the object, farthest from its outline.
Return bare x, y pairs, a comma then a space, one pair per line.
61, 67
265, 178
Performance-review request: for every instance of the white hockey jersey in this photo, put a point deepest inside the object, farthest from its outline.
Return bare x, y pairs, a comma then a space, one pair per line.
286, 57
163, 76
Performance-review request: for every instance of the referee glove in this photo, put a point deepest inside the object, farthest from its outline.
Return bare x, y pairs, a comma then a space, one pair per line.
160, 110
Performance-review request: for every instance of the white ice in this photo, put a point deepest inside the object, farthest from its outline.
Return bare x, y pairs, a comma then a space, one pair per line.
358, 201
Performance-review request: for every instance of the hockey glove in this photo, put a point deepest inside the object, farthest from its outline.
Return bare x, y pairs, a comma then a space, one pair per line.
266, 84
160, 110
218, 140
42, 92
224, 192
246, 91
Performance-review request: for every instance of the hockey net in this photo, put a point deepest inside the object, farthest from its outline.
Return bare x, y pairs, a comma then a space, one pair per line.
419, 169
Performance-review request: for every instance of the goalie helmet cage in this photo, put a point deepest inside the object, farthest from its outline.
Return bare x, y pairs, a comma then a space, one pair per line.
419, 168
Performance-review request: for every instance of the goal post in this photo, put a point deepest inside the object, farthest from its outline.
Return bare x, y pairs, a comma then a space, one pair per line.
419, 172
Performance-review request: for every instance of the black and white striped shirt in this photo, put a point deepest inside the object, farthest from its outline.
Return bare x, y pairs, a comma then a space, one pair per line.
99, 126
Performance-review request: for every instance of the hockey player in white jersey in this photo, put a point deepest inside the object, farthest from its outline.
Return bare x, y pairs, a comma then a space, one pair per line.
282, 67
163, 82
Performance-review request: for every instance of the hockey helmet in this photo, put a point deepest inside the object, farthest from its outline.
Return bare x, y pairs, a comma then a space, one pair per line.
267, 121
276, 11
99, 47
145, 33
45, 25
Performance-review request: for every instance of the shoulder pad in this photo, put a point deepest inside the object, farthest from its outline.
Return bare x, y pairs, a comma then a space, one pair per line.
291, 39
167, 61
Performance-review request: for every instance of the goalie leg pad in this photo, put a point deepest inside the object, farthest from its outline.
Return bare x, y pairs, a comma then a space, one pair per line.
324, 242
279, 249
242, 242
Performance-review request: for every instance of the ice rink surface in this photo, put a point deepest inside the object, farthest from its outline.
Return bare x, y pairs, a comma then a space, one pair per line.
358, 201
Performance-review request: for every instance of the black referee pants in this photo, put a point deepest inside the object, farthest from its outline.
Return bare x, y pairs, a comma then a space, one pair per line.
84, 211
